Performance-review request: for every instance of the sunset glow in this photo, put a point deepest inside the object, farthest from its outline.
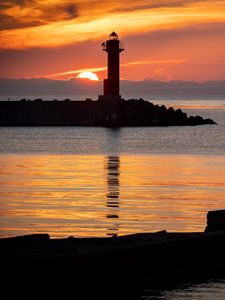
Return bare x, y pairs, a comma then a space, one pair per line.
187, 34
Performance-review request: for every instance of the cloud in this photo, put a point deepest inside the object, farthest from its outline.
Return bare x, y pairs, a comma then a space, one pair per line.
7, 4
61, 88
9, 22
165, 63
74, 72
29, 13
162, 69
40, 23
140, 5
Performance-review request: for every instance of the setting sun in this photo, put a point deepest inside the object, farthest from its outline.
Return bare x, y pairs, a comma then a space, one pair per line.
89, 75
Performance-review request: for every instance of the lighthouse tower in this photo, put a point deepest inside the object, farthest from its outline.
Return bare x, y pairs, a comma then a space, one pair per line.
112, 84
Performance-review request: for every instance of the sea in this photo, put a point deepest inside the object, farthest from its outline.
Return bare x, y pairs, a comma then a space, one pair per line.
103, 182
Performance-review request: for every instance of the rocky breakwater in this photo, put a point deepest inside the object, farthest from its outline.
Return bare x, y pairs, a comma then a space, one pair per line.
144, 113
93, 113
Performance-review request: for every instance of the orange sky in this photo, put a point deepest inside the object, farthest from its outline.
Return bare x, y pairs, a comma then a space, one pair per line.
163, 39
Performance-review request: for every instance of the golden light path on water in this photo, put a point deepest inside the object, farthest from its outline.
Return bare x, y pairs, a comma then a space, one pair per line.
97, 195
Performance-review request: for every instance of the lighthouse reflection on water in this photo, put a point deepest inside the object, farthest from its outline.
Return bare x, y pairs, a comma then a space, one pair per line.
112, 196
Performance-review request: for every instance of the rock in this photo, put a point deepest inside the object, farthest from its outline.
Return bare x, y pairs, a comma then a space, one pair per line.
215, 220
36, 238
93, 113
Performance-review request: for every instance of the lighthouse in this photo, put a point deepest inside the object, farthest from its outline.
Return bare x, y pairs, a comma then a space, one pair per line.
111, 85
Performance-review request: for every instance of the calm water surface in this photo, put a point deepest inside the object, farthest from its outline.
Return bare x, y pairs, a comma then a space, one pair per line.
211, 290
99, 181
98, 195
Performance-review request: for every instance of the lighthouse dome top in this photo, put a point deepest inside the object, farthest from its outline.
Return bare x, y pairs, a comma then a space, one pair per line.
113, 35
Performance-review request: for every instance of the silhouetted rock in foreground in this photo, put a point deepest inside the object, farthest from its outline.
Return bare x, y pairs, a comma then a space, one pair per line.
215, 220
142, 260
93, 113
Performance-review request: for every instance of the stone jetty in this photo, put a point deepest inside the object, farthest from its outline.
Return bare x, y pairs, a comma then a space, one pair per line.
121, 113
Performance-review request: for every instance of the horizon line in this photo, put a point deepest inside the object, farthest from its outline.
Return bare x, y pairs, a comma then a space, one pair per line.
122, 79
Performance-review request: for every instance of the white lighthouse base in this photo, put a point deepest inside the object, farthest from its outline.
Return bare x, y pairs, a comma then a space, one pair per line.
110, 98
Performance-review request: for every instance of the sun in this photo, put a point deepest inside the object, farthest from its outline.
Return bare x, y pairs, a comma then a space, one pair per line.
89, 75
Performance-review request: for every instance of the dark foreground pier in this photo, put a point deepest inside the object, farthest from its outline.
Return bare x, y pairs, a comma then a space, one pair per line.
116, 265
93, 113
